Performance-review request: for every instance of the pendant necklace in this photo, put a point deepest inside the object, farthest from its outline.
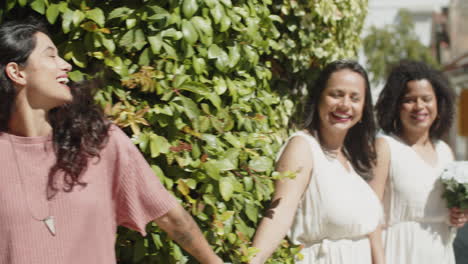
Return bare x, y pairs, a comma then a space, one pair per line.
48, 221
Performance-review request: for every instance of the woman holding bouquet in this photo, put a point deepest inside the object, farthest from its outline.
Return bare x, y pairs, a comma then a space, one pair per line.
328, 207
414, 110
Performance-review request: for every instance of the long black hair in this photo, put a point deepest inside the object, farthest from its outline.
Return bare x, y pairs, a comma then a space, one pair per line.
359, 141
389, 102
80, 129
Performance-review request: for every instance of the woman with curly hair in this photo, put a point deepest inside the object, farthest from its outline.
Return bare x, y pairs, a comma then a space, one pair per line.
414, 110
328, 208
69, 177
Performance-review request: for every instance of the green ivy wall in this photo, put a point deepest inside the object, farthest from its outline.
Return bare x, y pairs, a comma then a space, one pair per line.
207, 90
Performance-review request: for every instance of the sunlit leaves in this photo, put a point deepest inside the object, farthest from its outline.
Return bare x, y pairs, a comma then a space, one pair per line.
189, 7
52, 13
189, 32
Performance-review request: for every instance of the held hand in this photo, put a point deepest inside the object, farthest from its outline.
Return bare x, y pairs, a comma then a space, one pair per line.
458, 217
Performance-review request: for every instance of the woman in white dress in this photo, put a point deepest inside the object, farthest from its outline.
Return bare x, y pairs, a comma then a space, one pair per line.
328, 207
414, 110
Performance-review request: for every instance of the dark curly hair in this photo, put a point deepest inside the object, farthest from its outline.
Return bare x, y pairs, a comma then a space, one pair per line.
390, 99
359, 141
80, 129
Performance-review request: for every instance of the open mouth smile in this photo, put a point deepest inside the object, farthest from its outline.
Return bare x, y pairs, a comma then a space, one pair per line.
340, 117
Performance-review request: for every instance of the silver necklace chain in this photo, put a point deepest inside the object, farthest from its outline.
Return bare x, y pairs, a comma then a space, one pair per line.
49, 221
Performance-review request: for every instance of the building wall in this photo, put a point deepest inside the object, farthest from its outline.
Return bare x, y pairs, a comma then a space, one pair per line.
456, 69
458, 30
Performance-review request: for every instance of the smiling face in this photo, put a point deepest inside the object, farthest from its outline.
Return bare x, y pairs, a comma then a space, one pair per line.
418, 108
342, 101
45, 75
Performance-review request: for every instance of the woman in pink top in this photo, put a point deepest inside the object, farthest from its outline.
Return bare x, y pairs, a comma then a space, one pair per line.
68, 177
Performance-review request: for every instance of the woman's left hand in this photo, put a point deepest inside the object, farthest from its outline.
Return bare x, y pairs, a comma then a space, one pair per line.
458, 217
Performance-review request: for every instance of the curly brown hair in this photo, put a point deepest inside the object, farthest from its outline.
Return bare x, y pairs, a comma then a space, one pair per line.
389, 102
80, 129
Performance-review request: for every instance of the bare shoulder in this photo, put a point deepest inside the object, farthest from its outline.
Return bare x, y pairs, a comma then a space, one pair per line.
297, 147
297, 155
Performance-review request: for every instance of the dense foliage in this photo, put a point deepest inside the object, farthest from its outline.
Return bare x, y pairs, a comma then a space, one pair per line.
206, 89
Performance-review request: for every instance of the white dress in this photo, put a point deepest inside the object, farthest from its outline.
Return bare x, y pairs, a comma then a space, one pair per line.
417, 217
337, 212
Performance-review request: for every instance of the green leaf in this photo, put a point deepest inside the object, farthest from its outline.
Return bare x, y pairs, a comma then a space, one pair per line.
172, 33
67, 18
251, 55
157, 170
134, 38
158, 13
170, 50
204, 29
222, 63
261, 164
38, 6
131, 22
222, 59
217, 12
211, 3
199, 65
145, 57
225, 23
205, 123
97, 15
211, 168
77, 54
22, 2
220, 85
179, 80
10, 4
226, 188
108, 43
227, 3
214, 51
233, 140
157, 240
189, 8
225, 165
209, 199
158, 145
190, 107
248, 183
189, 32
234, 55
251, 211
155, 43
121, 12
76, 76
52, 13
78, 16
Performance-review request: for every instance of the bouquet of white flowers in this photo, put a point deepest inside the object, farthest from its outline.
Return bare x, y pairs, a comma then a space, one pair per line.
455, 180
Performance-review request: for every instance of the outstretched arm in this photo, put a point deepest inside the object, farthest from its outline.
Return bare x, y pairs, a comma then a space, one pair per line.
378, 185
297, 157
181, 227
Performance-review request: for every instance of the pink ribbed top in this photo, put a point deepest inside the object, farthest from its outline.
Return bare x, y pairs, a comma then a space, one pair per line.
122, 190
